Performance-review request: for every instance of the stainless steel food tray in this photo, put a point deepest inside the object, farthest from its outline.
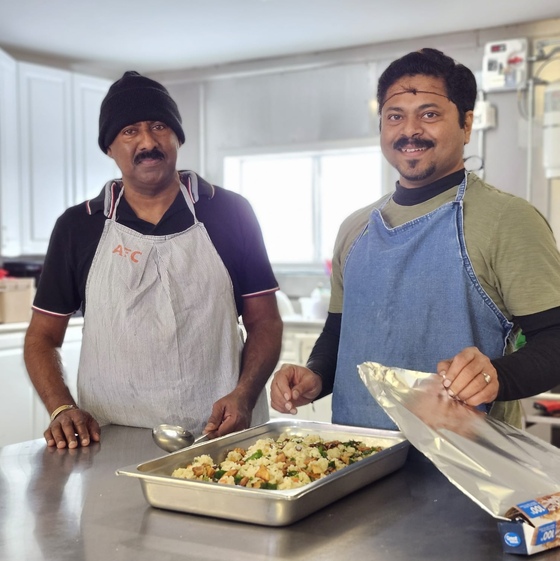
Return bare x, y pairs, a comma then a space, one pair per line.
260, 506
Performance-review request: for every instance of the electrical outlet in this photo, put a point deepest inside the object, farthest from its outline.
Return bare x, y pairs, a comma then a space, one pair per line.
484, 115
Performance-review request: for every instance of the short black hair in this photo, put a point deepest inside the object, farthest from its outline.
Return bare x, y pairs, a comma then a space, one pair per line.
460, 83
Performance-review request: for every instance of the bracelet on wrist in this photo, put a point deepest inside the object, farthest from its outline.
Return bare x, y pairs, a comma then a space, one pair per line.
60, 409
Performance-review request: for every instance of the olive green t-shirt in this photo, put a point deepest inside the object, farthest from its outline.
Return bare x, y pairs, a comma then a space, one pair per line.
511, 247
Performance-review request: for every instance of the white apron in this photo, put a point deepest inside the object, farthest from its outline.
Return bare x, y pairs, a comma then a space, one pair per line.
161, 338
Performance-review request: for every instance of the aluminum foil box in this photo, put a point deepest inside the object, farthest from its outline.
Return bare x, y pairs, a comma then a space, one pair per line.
534, 526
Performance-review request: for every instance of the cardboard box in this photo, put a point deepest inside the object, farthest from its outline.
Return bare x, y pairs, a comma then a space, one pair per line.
16, 299
534, 526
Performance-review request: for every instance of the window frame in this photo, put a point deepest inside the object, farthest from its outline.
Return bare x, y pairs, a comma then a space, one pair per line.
315, 151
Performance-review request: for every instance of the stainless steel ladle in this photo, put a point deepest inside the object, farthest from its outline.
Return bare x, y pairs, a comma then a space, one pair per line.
174, 437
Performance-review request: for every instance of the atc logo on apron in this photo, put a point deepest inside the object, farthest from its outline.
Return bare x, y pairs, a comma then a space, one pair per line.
132, 254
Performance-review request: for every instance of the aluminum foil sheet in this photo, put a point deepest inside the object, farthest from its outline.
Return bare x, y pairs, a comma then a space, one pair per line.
496, 465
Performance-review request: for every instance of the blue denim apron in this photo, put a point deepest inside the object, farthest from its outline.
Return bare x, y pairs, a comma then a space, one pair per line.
411, 299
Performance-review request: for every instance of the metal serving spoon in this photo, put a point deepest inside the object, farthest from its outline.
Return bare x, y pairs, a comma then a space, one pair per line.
174, 437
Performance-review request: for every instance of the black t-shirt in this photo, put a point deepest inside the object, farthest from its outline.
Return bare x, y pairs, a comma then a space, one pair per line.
227, 216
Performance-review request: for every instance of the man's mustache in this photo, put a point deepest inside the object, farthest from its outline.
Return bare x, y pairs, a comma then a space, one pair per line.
415, 142
154, 154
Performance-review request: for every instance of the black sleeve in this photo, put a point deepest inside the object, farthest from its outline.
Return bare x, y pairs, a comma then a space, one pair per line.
534, 368
324, 355
73, 242
236, 234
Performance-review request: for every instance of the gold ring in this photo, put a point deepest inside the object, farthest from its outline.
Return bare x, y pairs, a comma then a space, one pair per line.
486, 377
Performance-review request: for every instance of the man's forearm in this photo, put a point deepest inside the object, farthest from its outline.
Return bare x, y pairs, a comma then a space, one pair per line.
260, 356
44, 366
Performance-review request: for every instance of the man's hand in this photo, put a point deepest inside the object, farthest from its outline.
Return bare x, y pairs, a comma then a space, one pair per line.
229, 414
470, 377
294, 386
72, 427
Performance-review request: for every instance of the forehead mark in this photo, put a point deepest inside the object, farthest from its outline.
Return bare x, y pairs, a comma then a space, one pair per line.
422, 107
413, 91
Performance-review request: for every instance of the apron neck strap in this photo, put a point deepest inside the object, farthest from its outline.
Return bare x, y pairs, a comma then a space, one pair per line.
462, 188
111, 203
112, 211
187, 193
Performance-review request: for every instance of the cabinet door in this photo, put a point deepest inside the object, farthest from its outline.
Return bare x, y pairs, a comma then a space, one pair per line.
93, 168
46, 151
16, 398
22, 413
9, 159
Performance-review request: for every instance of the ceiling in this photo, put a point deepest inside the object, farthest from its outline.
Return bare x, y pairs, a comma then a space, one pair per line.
149, 36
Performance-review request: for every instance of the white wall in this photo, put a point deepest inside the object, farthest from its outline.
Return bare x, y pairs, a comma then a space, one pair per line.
325, 97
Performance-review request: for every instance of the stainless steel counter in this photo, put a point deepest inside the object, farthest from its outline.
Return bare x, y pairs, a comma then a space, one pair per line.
69, 505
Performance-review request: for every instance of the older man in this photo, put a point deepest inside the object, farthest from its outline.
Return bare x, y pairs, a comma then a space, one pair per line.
162, 265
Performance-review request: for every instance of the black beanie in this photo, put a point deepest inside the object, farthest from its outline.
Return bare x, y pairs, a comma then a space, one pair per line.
132, 99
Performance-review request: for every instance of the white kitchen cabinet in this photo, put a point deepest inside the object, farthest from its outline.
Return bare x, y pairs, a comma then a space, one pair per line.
46, 141
60, 163
17, 396
22, 414
92, 168
9, 159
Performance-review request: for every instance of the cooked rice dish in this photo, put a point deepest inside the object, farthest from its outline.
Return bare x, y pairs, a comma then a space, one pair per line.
285, 463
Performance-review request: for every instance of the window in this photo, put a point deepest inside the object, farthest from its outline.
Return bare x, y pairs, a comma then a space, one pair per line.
301, 198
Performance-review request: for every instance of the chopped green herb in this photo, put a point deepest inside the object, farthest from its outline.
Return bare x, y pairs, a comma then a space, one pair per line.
258, 454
